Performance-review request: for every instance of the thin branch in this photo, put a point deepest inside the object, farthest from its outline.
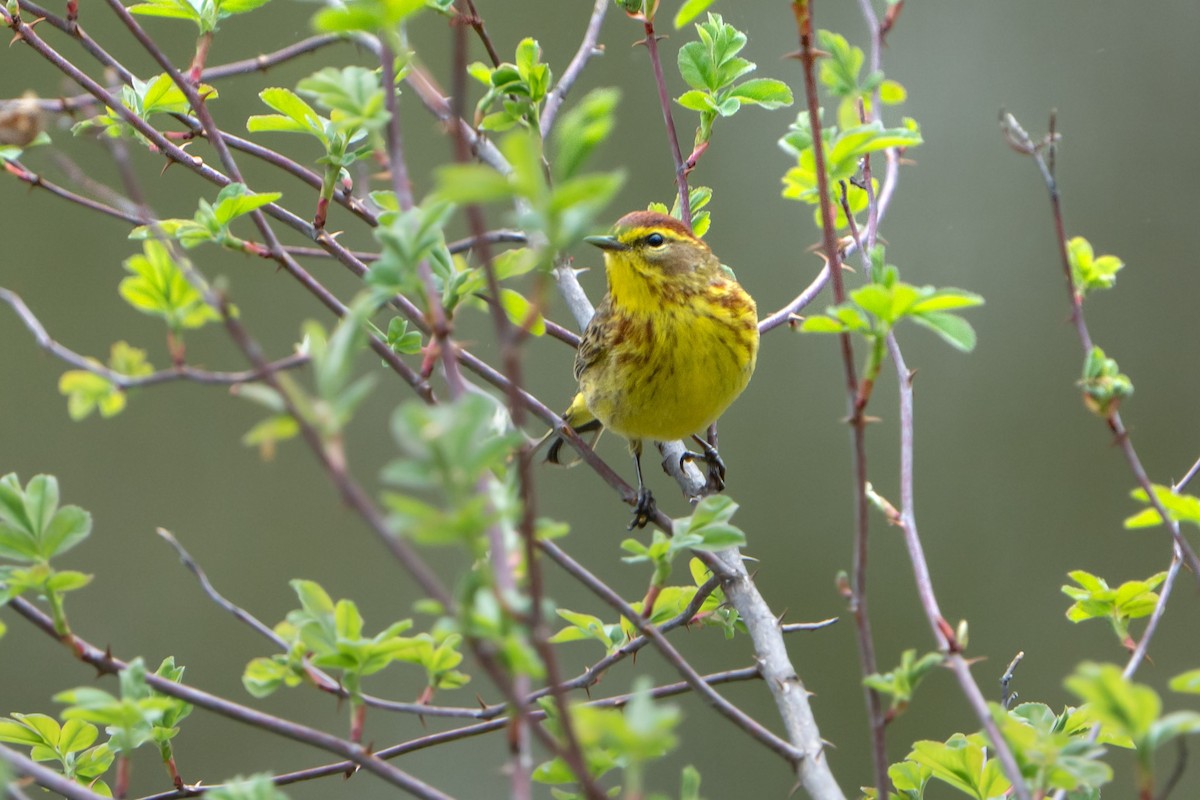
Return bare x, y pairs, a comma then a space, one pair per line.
182, 372
1021, 141
105, 663
46, 777
588, 48
460, 734
856, 403
262, 63
664, 101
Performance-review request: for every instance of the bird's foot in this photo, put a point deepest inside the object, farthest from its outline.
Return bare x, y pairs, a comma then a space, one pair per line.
643, 510
710, 456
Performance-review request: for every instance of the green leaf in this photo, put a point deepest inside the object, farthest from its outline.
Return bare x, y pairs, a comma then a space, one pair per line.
955, 330
369, 16
689, 11
158, 286
1188, 682
766, 92
582, 129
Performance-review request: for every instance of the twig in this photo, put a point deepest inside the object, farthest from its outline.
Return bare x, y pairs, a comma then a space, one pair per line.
44, 776
856, 403
106, 663
264, 62
587, 49
664, 101
182, 372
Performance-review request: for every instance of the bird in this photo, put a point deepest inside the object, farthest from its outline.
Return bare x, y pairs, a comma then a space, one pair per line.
671, 345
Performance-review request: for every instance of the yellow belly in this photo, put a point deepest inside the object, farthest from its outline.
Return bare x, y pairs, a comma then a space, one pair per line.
681, 382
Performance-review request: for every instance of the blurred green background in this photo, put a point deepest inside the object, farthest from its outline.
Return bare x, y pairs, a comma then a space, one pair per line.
1016, 483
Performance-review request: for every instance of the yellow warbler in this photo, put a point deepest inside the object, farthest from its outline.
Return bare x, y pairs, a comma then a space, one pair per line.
671, 345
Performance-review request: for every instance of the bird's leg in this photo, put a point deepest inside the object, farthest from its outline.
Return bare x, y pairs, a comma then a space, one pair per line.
645, 501
710, 456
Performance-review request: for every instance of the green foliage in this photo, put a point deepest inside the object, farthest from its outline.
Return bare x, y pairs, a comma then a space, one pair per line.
1179, 506
33, 530
1054, 751
874, 309
1094, 599
211, 222
87, 392
840, 71
559, 215
1103, 384
901, 683
368, 16
338, 392
206, 14
159, 286
349, 133
698, 198
669, 603
448, 450
138, 716
353, 96
1089, 270
517, 90
617, 738
707, 529
712, 67
72, 745
689, 10
158, 95
961, 762
1188, 682
330, 636
400, 339
1130, 711
843, 151
254, 787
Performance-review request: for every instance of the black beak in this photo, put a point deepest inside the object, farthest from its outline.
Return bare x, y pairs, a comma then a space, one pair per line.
606, 242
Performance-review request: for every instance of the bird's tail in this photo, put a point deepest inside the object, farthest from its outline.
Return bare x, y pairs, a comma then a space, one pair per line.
581, 420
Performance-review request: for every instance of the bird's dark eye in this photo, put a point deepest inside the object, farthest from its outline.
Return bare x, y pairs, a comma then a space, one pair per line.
656, 240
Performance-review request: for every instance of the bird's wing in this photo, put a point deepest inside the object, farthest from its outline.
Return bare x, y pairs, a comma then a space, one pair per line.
593, 347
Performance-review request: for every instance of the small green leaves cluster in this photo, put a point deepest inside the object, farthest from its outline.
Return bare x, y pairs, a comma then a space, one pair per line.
140, 715
1104, 385
448, 450
33, 530
556, 212
380, 17
211, 221
338, 392
712, 67
840, 71
901, 683
157, 95
612, 738
1130, 712
669, 603
698, 198
408, 238
516, 90
158, 285
844, 149
1095, 599
329, 635
708, 528
206, 14
1088, 270
72, 745
1180, 507
874, 309
87, 391
357, 113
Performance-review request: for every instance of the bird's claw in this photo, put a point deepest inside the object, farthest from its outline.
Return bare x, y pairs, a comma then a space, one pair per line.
710, 456
643, 510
